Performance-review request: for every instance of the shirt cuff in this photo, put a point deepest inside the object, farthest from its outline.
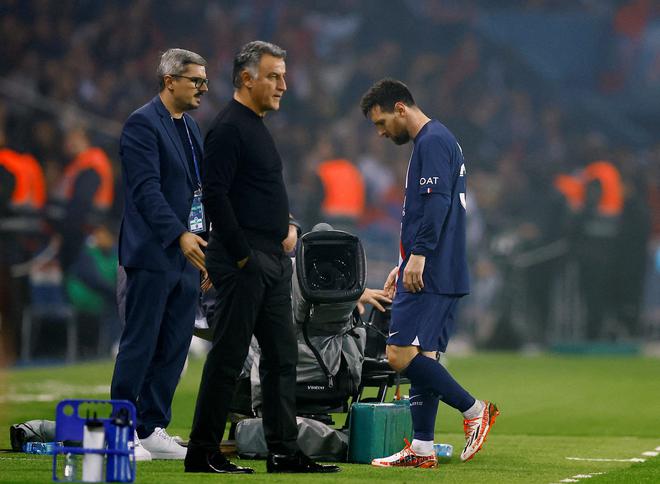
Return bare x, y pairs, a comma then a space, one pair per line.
420, 251
296, 224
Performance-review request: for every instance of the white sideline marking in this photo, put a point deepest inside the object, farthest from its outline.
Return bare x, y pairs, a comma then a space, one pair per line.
50, 391
24, 458
577, 477
594, 459
44, 397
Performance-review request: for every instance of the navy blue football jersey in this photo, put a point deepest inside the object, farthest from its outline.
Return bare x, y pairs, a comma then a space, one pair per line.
433, 220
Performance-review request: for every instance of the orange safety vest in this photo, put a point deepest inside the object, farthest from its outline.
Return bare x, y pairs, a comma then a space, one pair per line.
611, 200
30, 189
572, 188
344, 188
94, 159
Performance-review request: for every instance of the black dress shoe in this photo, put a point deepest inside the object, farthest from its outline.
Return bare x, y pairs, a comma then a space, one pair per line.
212, 462
297, 462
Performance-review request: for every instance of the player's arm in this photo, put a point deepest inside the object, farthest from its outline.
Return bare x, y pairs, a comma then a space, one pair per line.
435, 187
436, 207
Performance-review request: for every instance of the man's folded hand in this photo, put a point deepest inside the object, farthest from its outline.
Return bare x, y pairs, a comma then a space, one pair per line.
191, 246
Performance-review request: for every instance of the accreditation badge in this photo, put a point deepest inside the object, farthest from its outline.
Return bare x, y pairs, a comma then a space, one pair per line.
196, 219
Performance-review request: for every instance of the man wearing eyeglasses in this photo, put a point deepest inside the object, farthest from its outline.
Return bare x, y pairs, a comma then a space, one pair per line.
160, 248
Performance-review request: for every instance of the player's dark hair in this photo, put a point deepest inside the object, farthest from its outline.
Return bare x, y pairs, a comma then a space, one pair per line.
249, 56
386, 93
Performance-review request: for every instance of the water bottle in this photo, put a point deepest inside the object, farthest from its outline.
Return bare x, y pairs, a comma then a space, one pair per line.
70, 467
118, 435
443, 450
39, 447
93, 438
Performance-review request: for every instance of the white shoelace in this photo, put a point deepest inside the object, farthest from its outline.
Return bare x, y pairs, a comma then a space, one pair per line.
162, 434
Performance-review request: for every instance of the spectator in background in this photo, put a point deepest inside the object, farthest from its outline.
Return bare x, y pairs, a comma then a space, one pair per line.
85, 193
91, 285
160, 149
24, 187
600, 228
631, 244
344, 193
22, 197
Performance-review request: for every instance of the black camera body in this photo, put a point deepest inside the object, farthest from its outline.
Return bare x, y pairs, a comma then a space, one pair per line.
331, 272
330, 276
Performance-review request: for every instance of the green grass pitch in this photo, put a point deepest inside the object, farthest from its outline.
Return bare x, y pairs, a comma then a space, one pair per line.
552, 408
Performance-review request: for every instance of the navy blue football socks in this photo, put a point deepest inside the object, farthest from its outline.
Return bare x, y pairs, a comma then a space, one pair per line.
423, 409
427, 374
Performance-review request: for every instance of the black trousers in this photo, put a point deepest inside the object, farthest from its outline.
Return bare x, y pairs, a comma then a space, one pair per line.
253, 300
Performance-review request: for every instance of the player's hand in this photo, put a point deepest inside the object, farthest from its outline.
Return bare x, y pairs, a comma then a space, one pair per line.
390, 284
375, 297
412, 274
191, 246
289, 243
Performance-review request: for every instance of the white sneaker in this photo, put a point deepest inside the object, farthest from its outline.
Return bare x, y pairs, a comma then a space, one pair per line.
141, 454
162, 446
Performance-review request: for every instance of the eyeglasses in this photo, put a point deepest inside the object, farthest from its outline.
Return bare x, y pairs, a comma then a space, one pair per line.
198, 81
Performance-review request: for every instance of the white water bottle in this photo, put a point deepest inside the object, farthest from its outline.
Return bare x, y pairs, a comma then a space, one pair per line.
93, 438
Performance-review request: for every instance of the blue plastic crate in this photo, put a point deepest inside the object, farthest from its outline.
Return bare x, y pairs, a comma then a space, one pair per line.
69, 427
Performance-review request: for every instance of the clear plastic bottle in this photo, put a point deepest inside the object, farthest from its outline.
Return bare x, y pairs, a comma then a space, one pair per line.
443, 450
70, 467
39, 447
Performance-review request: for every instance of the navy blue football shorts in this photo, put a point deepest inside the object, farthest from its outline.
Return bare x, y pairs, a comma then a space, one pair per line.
422, 319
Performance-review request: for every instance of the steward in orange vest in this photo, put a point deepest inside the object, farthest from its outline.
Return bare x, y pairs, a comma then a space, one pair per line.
596, 195
344, 189
88, 179
29, 193
84, 196
22, 196
608, 177
604, 178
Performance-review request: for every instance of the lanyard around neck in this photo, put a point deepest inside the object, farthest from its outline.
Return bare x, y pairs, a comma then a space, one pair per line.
192, 149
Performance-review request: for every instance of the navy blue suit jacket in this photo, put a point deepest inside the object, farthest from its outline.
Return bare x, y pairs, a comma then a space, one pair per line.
158, 188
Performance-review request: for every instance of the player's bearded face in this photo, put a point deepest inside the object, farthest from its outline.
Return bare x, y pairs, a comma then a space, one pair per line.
400, 137
389, 125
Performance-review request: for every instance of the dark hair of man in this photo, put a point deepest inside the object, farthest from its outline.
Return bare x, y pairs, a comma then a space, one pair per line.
249, 56
174, 62
386, 93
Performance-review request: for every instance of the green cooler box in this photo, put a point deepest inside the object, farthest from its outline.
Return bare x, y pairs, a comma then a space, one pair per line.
378, 430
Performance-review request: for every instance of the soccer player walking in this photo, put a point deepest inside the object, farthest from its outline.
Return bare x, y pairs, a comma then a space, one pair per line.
432, 273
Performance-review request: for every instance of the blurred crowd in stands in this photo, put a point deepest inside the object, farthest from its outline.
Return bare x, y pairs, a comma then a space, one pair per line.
561, 247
